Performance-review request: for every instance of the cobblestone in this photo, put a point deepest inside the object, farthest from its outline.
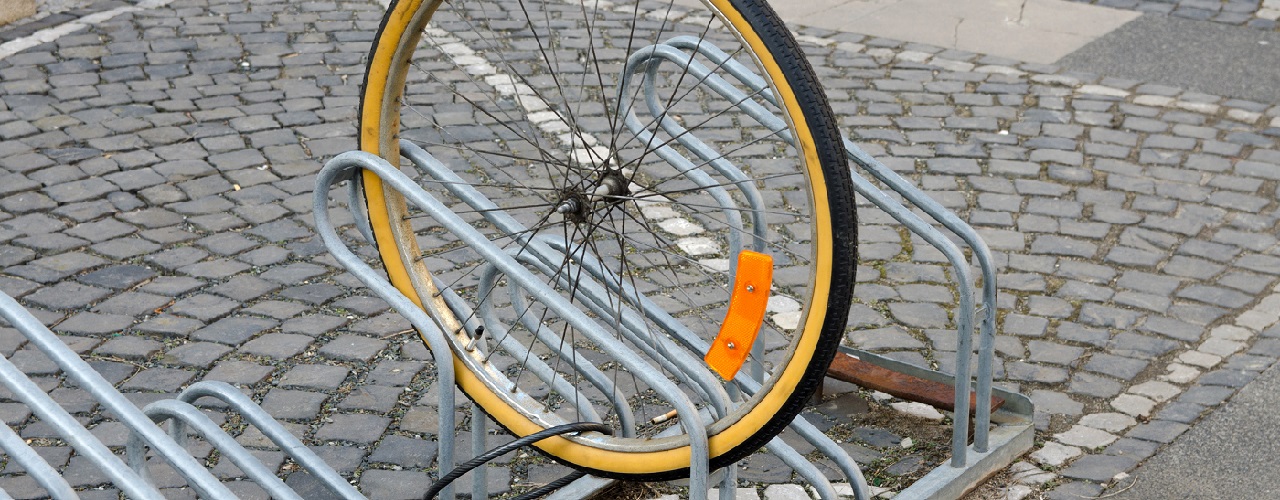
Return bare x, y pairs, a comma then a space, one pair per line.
237, 372
1157, 391
352, 348
1161, 431
130, 348
232, 331
1054, 454
323, 377
355, 428
293, 405
1136, 406
158, 380
277, 345
1098, 468
1085, 437
1172, 228
393, 484
197, 354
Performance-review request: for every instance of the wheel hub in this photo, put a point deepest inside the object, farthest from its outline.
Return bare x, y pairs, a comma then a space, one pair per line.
576, 203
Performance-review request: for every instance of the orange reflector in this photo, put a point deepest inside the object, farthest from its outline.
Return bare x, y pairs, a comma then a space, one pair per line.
746, 313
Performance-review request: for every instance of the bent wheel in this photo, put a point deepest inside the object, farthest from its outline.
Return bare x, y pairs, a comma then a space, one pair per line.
630, 187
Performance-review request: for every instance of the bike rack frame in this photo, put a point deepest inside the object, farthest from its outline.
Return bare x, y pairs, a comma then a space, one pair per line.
994, 446
1014, 433
133, 478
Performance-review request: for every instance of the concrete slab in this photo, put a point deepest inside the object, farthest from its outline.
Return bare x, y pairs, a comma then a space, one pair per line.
1040, 31
13, 10
1206, 57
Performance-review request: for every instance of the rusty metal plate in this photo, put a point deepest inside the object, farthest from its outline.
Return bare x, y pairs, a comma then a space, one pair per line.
936, 394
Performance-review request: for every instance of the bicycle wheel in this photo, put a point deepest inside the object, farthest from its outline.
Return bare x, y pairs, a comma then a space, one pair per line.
628, 180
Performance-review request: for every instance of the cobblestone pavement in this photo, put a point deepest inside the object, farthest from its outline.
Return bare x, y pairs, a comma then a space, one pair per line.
1258, 14
157, 175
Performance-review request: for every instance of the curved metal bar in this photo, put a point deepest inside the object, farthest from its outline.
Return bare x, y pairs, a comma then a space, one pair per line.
334, 171
460, 307
632, 326
680, 134
750, 107
802, 466
86, 378
535, 365
981, 253
45, 475
720, 58
709, 156
644, 60
359, 207
452, 222
964, 341
691, 342
674, 359
638, 301
272, 429
621, 288
746, 383
546, 262
622, 407
733, 219
685, 363
166, 409
843, 461
935, 210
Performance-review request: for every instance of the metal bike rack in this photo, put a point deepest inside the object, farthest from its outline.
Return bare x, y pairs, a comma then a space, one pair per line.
143, 424
991, 448
344, 165
998, 438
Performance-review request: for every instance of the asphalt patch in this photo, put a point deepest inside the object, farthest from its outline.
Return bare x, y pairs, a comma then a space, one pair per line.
1201, 56
1231, 453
